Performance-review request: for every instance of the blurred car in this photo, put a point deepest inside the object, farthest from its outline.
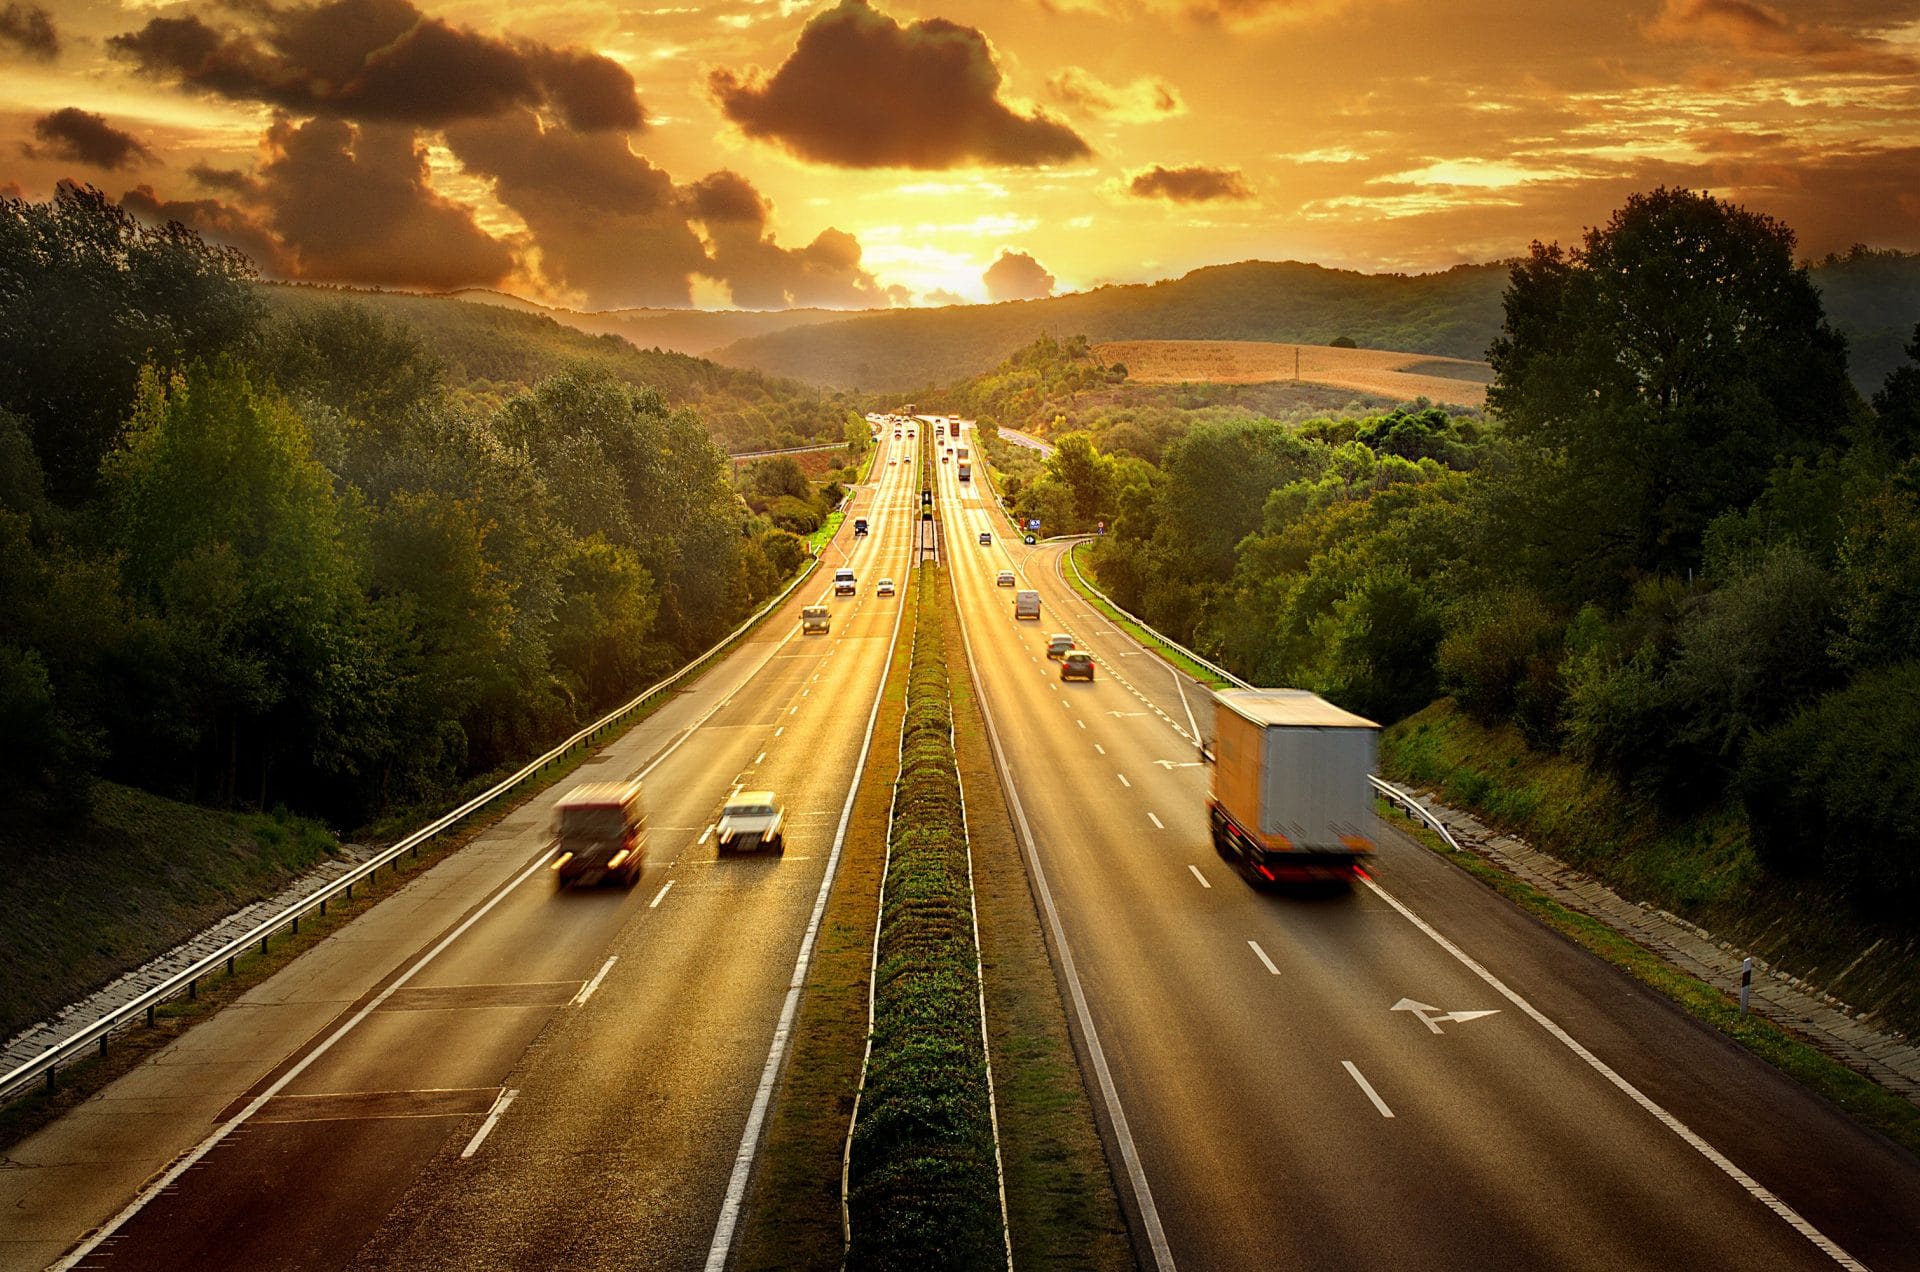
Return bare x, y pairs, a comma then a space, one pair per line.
943, 459
600, 833
1058, 644
896, 432
883, 588
1003, 579
986, 539
1076, 664
751, 819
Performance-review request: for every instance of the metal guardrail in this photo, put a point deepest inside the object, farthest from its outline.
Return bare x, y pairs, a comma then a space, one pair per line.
188, 979
1414, 808
1152, 631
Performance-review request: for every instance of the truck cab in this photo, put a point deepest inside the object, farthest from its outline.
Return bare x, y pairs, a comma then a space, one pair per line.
600, 834
843, 583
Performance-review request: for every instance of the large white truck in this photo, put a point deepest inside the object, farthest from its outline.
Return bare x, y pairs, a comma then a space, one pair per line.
1291, 802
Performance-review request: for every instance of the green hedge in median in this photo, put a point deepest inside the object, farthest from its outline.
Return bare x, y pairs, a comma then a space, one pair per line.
923, 1186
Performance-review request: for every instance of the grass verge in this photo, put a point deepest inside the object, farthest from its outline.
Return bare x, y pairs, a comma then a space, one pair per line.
923, 1185
1062, 1207
1146, 638
792, 1214
1867, 1102
819, 539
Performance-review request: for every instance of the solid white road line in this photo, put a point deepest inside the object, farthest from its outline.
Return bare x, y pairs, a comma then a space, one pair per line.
1753, 1187
500, 1104
1157, 823
1123, 780
705, 835
586, 990
661, 895
1262, 955
1196, 874
1367, 1086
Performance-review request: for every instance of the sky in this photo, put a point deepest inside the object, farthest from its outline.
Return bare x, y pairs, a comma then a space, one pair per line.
768, 153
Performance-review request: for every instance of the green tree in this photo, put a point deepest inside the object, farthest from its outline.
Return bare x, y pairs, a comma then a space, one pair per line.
1670, 360
88, 296
1896, 406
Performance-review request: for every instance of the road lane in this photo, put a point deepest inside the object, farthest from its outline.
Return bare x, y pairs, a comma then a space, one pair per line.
637, 1093
1261, 1149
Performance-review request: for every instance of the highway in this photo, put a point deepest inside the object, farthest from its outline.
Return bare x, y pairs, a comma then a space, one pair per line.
1413, 1074
534, 1078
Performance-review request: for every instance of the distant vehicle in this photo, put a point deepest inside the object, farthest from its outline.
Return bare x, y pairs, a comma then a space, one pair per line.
815, 618
896, 432
1003, 579
909, 432
883, 588
843, 583
986, 538
1076, 664
1026, 604
962, 452
939, 428
1028, 539
859, 526
1290, 801
751, 819
944, 458
966, 470
600, 833
1058, 644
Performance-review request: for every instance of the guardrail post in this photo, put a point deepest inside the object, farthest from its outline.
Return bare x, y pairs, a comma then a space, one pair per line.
263, 945
149, 1015
193, 989
103, 1046
229, 964
296, 925
49, 1079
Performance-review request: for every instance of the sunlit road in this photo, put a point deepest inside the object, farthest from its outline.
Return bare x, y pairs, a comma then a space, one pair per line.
1286, 1115
563, 1078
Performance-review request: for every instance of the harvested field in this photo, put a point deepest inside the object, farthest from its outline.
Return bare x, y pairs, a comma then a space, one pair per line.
1398, 376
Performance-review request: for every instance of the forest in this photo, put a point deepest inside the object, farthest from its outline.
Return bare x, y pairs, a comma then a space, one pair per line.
270, 551
1681, 549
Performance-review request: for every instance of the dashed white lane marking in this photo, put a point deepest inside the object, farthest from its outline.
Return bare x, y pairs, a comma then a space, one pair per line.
1262, 955
793, 710
1083, 724
500, 1104
1099, 748
661, 895
586, 990
1367, 1086
760, 757
704, 836
1123, 780
1158, 824
805, 692
1763, 1195
777, 732
1196, 874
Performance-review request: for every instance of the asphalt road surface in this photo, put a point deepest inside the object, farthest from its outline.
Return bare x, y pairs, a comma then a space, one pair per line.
1330, 1081
562, 1078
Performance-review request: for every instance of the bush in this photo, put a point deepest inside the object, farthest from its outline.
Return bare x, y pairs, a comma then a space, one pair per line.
1501, 661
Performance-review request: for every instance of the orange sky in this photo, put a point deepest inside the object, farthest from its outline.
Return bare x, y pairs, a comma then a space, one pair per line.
768, 152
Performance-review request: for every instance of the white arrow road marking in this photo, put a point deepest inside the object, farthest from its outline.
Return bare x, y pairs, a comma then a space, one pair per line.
1432, 1017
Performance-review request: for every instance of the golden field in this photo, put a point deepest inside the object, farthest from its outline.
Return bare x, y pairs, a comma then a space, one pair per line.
1392, 375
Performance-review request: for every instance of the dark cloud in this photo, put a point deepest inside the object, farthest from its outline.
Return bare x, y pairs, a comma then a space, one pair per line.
216, 222
29, 28
606, 223
353, 205
1017, 276
1745, 27
862, 91
382, 61
85, 137
757, 271
1192, 184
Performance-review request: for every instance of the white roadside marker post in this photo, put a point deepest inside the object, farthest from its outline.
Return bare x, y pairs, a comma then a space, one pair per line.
1746, 983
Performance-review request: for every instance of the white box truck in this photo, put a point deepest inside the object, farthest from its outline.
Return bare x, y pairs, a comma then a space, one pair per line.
1291, 802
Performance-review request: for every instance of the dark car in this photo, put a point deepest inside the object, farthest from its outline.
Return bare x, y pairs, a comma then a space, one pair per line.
1076, 664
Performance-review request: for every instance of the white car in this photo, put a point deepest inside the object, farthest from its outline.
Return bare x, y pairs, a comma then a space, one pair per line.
883, 588
751, 819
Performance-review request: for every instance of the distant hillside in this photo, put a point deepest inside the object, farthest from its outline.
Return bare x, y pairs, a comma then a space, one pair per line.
1873, 297
1397, 377
495, 350
1452, 314
695, 331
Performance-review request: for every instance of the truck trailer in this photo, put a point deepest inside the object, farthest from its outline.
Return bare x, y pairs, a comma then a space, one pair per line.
1291, 802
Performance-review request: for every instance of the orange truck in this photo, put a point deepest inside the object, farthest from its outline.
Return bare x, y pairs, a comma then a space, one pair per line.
1291, 802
